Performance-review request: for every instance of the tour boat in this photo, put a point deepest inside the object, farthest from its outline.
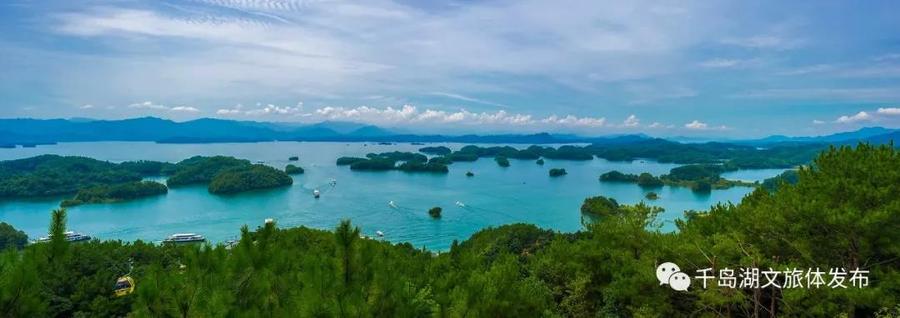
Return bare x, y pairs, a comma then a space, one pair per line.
185, 238
70, 237
316, 193
379, 233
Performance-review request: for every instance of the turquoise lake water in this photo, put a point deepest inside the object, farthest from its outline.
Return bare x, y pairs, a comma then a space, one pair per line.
495, 196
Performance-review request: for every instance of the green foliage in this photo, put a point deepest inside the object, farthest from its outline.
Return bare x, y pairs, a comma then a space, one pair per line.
346, 161
292, 169
398, 156
242, 179
435, 212
201, 169
57, 232
558, 172
649, 181
49, 175
616, 176
600, 206
374, 165
11, 238
439, 150
116, 193
786, 177
415, 166
502, 161
696, 172
441, 160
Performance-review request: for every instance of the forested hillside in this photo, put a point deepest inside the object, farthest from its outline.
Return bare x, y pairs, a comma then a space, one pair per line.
843, 212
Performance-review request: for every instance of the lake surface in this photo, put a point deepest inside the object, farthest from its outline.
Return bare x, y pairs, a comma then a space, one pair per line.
495, 196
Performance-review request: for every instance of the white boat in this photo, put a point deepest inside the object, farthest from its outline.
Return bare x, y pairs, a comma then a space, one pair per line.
392, 204
460, 204
185, 238
379, 233
71, 236
316, 193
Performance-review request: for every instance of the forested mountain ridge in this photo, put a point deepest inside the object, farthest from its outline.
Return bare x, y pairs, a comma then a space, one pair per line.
843, 212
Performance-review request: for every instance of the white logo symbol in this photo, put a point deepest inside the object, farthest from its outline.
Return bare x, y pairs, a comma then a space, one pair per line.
669, 273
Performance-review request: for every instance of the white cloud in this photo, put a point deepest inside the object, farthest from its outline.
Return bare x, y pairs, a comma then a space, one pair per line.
890, 111
153, 106
262, 110
184, 109
817, 122
727, 63
570, 120
696, 125
273, 109
148, 105
631, 121
860, 116
86, 106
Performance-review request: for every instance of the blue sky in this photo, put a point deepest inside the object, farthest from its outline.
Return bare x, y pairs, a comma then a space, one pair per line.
665, 68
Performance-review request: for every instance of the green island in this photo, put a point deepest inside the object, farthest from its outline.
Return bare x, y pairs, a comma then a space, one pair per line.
51, 175
116, 193
439, 150
411, 162
435, 212
242, 179
227, 175
836, 215
502, 161
557, 172
202, 170
292, 169
700, 178
540, 162
652, 195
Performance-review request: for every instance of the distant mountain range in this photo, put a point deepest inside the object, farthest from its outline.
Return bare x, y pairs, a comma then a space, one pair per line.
207, 130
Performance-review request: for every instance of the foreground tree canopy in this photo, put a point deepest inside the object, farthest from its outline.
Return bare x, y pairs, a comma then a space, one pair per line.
843, 211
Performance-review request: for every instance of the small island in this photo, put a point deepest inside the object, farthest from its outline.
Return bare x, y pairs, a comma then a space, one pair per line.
202, 170
292, 169
294, 158
435, 212
502, 161
469, 174
116, 193
652, 195
540, 162
51, 175
558, 172
248, 178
